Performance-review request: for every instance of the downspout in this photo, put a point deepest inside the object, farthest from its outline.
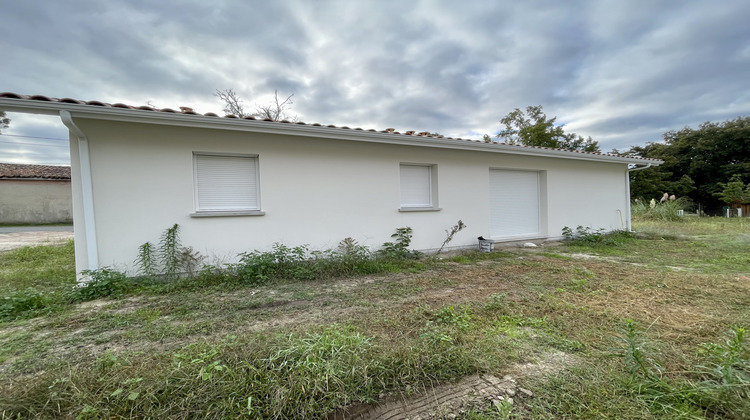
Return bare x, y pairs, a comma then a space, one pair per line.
648, 165
627, 191
87, 190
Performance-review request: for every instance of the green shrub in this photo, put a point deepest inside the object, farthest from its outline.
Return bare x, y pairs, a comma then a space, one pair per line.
399, 249
258, 267
299, 263
104, 282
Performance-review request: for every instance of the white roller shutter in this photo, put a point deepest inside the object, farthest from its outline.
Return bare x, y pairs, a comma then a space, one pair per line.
416, 186
514, 203
226, 182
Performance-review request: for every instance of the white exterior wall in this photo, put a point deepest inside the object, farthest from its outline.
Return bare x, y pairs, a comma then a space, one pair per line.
315, 191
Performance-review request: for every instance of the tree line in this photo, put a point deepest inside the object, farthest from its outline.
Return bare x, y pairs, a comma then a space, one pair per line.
709, 164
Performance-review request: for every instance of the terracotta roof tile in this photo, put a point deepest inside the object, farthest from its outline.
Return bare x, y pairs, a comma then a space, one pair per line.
20, 171
189, 111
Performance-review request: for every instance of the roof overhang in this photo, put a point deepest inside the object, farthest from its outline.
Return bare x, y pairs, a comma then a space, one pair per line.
179, 119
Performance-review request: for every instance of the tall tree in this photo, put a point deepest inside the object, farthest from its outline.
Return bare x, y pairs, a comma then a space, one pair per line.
734, 192
4, 120
275, 110
709, 155
533, 128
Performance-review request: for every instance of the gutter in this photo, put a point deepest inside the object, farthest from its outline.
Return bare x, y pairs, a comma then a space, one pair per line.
648, 165
87, 190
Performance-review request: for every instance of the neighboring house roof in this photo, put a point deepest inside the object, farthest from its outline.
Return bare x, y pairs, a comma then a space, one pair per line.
187, 117
21, 171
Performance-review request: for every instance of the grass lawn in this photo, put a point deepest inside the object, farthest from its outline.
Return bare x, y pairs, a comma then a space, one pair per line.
645, 327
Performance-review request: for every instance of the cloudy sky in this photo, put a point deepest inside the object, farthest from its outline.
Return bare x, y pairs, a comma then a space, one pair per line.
623, 72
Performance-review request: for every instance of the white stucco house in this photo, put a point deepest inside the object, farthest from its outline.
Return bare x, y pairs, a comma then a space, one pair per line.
236, 185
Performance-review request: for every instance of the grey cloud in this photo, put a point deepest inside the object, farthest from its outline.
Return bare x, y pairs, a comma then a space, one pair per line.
621, 72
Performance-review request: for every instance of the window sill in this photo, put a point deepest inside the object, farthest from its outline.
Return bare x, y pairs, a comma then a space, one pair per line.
413, 209
234, 213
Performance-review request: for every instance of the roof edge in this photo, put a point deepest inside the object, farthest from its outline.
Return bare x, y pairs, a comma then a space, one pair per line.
212, 121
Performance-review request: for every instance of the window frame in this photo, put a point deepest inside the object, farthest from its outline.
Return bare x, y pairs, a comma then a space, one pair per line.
433, 188
239, 211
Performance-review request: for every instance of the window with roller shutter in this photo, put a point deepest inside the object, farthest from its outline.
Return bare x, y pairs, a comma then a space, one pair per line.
418, 187
226, 184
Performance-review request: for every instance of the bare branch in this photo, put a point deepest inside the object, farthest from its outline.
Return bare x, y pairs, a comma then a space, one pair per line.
276, 111
232, 102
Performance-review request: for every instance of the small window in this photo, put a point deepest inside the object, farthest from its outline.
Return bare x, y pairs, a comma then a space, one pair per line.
418, 191
226, 185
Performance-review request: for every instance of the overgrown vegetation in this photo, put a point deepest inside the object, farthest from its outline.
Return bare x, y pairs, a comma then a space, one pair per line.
587, 236
719, 384
299, 263
640, 328
667, 209
34, 280
170, 266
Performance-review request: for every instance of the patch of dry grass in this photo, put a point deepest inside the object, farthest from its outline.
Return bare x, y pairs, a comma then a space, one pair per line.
685, 289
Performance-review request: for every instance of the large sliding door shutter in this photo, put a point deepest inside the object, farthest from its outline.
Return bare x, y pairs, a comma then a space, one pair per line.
514, 203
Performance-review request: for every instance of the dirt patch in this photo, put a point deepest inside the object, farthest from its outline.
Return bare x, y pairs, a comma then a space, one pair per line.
9, 241
451, 400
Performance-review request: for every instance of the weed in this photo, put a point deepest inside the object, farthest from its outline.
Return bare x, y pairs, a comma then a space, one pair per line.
170, 259
189, 260
146, 261
456, 317
258, 267
633, 350
725, 374
435, 336
589, 237
24, 303
299, 263
666, 210
103, 283
495, 302
349, 248
169, 253
399, 249
458, 227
